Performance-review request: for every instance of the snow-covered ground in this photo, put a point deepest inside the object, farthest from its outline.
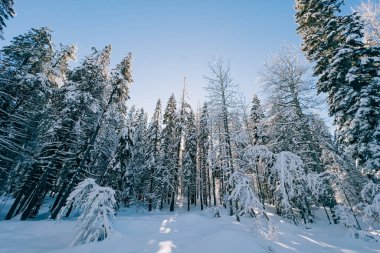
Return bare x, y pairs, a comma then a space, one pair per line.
181, 231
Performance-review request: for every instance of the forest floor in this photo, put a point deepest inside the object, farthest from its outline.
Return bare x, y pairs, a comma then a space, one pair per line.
137, 231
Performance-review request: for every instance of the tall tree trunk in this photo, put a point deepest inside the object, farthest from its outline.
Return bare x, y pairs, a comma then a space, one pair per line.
188, 199
208, 185
213, 187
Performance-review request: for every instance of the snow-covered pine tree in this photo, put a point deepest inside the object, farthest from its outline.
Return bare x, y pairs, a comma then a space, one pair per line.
82, 102
115, 176
121, 78
257, 161
115, 118
190, 159
25, 88
180, 128
208, 160
32, 63
256, 129
167, 173
340, 182
78, 108
347, 72
243, 192
256, 119
137, 173
96, 206
203, 148
154, 155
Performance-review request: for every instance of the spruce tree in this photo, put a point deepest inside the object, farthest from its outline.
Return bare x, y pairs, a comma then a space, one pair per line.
180, 128
154, 155
346, 70
203, 140
168, 173
119, 82
27, 85
189, 159
65, 136
137, 172
256, 119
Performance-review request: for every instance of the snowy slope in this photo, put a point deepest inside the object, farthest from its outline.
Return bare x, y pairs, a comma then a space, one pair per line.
185, 232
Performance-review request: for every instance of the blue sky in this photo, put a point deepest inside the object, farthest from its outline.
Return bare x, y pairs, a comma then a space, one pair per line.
169, 39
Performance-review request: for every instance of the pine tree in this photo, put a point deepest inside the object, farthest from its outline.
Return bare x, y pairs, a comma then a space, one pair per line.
32, 72
189, 160
346, 70
256, 119
180, 129
168, 174
203, 149
86, 90
257, 137
154, 155
137, 171
25, 87
120, 81
116, 173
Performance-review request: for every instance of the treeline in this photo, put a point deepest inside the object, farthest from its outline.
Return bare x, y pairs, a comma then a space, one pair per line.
61, 125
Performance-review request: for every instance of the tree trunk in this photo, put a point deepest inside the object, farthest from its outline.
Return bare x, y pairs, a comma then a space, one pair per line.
188, 199
213, 188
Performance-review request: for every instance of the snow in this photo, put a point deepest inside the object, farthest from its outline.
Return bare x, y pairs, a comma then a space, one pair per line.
184, 232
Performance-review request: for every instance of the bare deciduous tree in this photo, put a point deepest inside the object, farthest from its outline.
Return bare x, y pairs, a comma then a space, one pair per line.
369, 11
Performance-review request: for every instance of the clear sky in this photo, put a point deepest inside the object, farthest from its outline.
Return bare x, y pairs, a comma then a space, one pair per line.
169, 39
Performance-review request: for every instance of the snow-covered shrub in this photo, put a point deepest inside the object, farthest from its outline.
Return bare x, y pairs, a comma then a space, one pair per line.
368, 210
346, 217
283, 179
371, 206
213, 212
249, 204
341, 176
243, 192
290, 183
96, 207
